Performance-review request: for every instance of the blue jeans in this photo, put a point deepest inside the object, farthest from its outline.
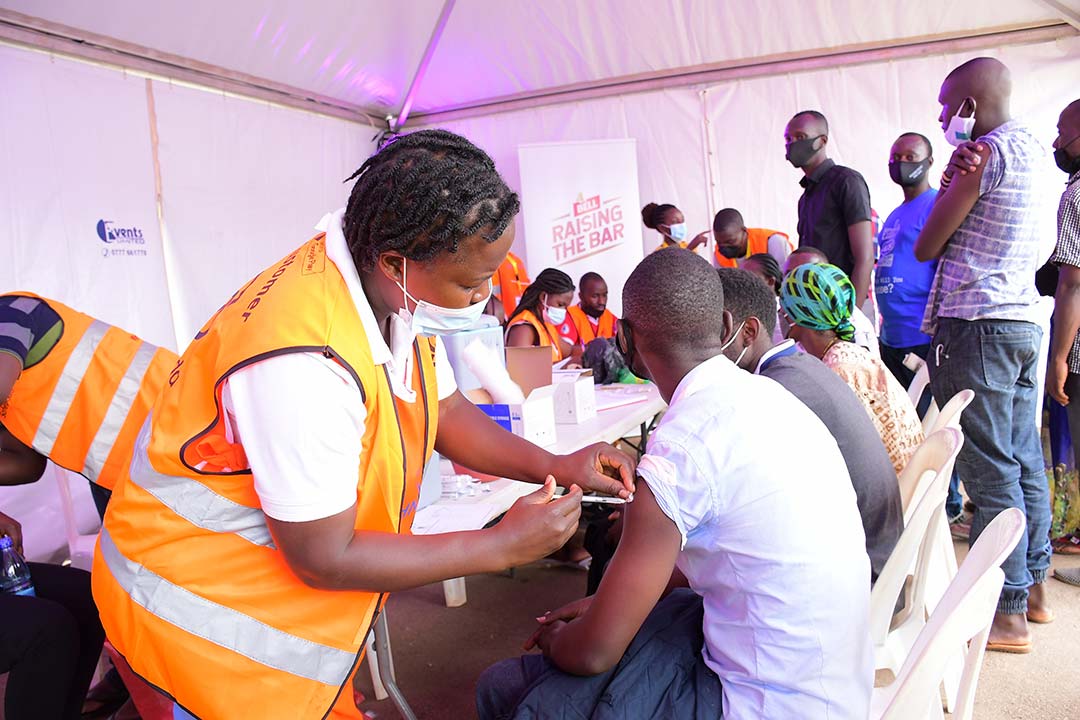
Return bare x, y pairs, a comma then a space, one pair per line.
1001, 463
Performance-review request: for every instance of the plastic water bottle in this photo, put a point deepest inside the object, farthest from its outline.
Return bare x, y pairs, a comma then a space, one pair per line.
14, 574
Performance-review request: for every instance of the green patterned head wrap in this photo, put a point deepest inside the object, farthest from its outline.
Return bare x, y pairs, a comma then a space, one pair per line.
819, 297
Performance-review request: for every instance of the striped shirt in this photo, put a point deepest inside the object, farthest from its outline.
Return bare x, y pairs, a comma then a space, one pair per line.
988, 268
1067, 251
29, 328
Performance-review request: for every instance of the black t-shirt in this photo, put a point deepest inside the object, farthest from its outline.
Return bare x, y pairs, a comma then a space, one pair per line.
834, 197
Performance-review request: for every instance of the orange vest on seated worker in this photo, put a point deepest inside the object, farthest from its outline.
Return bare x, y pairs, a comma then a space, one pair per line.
548, 333
605, 327
757, 241
83, 403
510, 282
189, 585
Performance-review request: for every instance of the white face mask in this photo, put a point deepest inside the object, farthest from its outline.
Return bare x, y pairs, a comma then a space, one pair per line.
960, 128
677, 232
557, 316
431, 319
731, 339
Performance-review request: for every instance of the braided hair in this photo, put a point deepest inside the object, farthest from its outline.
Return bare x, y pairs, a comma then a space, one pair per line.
550, 281
653, 215
770, 267
422, 194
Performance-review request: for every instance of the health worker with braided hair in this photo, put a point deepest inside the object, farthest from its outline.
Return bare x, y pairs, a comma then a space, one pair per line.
536, 319
273, 487
818, 300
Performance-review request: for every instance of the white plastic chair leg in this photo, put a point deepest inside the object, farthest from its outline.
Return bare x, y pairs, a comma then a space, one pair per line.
373, 667
454, 592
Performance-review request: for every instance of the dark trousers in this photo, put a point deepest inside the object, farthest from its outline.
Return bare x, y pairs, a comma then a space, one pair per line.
1001, 462
49, 645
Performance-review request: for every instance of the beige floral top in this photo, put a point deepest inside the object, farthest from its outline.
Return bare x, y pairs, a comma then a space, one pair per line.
883, 396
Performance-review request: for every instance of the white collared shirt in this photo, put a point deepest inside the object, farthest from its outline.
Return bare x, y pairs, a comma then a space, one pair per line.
300, 416
772, 541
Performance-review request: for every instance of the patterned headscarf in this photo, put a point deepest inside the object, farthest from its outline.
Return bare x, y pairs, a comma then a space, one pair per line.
819, 297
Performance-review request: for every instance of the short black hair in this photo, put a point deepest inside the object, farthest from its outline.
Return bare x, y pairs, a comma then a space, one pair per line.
816, 115
808, 250
770, 267
653, 215
728, 219
589, 277
675, 297
550, 281
923, 139
746, 296
422, 194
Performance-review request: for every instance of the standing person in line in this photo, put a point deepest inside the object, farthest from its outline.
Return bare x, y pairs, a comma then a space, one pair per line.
670, 222
983, 230
903, 283
834, 209
1063, 373
269, 507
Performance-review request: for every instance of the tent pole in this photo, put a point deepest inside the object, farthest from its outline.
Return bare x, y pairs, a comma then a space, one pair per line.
1065, 12
717, 73
421, 69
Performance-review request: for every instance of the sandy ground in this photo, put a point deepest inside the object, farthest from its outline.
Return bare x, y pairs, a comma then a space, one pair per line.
439, 652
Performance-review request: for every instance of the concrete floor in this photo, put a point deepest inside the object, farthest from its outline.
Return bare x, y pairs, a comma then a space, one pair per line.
439, 652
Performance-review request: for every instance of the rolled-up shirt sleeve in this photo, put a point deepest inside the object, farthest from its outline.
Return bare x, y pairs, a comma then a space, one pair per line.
679, 488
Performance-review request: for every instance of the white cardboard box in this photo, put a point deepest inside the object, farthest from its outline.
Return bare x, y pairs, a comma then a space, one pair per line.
575, 396
533, 420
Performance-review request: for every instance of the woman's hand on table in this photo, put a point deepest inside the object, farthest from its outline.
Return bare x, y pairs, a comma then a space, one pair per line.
597, 468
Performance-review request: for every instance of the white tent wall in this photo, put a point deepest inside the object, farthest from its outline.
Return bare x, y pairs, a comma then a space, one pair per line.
742, 123
244, 182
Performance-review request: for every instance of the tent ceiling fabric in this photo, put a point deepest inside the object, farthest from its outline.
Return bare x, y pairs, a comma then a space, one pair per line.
364, 52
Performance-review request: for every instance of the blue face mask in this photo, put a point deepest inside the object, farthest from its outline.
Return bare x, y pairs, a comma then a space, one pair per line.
677, 232
431, 319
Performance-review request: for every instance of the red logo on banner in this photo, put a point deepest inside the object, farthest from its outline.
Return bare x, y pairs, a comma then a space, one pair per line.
594, 225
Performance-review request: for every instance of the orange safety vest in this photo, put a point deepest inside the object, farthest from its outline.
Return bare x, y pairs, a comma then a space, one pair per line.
757, 241
605, 327
665, 246
548, 333
511, 279
188, 582
83, 404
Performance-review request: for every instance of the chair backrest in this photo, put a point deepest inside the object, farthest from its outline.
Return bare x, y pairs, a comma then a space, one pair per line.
964, 614
917, 541
950, 414
933, 458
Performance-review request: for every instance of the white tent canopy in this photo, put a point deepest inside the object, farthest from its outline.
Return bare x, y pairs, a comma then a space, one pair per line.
215, 135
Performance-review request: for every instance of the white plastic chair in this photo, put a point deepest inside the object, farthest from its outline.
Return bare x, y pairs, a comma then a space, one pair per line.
962, 619
918, 385
935, 456
80, 547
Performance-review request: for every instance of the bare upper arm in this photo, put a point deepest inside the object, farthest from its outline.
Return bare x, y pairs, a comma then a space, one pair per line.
523, 335
312, 549
635, 579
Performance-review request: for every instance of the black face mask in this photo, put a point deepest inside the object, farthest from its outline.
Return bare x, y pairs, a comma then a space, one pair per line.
906, 174
1069, 166
624, 343
799, 152
729, 251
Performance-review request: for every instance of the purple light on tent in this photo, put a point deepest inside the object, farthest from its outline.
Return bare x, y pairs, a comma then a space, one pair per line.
328, 62
278, 41
304, 50
259, 28
345, 70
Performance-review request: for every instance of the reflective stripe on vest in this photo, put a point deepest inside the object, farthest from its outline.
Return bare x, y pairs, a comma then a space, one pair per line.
119, 407
68, 385
231, 629
195, 502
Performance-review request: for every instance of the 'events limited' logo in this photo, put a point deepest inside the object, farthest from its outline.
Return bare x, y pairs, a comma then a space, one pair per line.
120, 241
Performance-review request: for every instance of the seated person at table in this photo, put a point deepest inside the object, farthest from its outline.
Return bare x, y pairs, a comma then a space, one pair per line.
750, 303
535, 321
591, 317
865, 334
735, 242
819, 301
771, 545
